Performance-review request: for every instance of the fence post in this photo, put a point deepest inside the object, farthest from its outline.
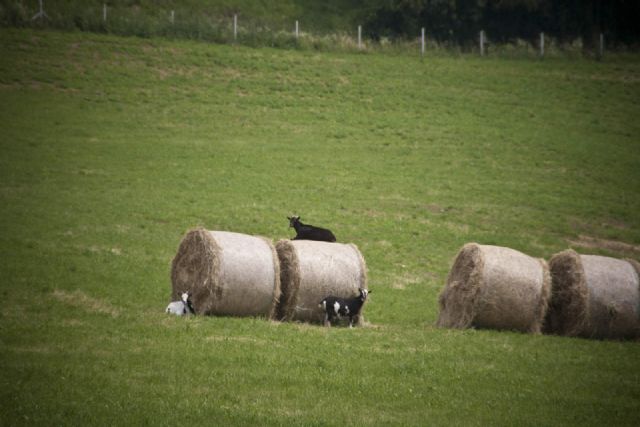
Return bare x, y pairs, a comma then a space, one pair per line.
541, 45
235, 27
297, 29
481, 42
601, 45
423, 43
104, 12
41, 14
359, 37
173, 17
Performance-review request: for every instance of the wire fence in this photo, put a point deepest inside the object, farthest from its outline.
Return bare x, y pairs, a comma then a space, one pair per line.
236, 29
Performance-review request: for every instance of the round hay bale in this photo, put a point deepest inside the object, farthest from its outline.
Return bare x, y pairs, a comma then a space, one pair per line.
227, 273
312, 270
495, 287
594, 296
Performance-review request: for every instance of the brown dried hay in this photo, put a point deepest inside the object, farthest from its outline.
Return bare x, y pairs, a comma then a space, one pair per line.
495, 287
594, 296
312, 270
227, 273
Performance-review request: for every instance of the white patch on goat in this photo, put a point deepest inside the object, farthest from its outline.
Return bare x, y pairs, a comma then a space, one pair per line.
346, 309
336, 307
176, 307
324, 305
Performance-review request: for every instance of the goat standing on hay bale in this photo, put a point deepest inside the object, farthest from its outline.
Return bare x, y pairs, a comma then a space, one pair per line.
336, 307
310, 232
312, 270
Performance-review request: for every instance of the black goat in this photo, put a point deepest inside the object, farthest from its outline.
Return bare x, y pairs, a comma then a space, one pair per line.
309, 232
339, 307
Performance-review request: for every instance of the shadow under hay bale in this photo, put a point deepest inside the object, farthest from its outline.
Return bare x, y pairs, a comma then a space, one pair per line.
227, 273
312, 270
497, 288
594, 296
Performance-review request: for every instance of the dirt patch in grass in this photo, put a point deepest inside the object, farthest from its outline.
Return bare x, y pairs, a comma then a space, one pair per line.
9, 86
434, 208
37, 349
588, 242
81, 300
384, 244
457, 227
617, 224
372, 213
95, 249
401, 281
240, 339
36, 85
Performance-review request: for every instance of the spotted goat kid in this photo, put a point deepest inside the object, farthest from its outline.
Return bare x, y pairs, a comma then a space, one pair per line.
181, 308
335, 307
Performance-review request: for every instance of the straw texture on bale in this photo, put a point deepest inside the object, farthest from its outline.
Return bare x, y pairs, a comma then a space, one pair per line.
495, 287
227, 273
312, 270
594, 296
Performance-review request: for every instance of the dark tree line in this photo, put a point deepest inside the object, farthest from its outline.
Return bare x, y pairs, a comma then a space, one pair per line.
459, 21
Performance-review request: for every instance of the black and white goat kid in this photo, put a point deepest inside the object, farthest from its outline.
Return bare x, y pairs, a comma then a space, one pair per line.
181, 308
310, 232
335, 307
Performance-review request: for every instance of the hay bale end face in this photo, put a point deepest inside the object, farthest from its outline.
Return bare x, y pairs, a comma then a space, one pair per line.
313, 270
495, 287
227, 273
594, 296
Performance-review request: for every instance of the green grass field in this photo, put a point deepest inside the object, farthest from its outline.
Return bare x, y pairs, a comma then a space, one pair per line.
111, 148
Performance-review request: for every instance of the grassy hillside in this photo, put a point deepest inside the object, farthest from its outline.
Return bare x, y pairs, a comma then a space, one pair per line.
325, 16
328, 25
112, 148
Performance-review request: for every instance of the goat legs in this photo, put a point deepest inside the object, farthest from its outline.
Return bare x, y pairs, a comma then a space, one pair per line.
327, 320
354, 320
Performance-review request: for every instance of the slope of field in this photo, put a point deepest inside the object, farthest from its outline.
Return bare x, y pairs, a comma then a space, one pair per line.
322, 17
113, 147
